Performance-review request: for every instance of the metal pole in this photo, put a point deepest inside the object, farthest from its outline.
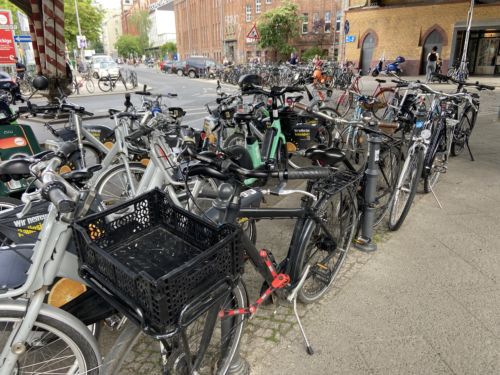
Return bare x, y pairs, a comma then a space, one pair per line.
82, 57
365, 241
463, 62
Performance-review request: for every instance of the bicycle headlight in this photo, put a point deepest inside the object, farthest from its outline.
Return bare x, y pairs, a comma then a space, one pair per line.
425, 134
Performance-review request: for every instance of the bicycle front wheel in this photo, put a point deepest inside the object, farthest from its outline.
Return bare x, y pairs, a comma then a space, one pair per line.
324, 244
389, 166
212, 344
115, 187
383, 98
344, 103
406, 189
462, 133
105, 84
53, 346
89, 85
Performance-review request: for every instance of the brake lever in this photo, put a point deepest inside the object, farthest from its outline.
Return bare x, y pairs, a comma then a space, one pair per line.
27, 199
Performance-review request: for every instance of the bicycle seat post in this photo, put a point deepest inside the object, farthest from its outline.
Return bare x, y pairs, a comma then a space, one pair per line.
365, 241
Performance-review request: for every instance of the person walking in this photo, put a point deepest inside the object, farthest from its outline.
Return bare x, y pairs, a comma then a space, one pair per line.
432, 59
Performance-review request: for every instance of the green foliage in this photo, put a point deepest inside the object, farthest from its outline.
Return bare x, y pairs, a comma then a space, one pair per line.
278, 26
128, 45
311, 52
142, 23
91, 17
168, 49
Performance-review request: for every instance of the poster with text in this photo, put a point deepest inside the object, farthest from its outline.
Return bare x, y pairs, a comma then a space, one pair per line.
7, 47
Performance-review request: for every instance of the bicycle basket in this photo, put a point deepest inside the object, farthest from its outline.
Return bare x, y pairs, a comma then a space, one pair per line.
151, 259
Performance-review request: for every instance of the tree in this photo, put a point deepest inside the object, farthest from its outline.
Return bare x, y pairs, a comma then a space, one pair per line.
311, 52
169, 48
91, 17
278, 26
127, 45
141, 22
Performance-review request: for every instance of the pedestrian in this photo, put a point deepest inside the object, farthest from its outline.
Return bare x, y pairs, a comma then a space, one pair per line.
80, 66
432, 59
20, 68
293, 59
225, 62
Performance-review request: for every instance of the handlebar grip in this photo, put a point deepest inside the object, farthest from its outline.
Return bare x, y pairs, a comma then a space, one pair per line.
66, 149
307, 173
56, 193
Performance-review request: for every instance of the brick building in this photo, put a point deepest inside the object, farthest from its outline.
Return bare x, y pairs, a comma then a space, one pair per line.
411, 28
218, 28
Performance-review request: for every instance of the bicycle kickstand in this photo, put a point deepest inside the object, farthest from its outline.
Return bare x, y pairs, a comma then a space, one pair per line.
470, 152
292, 297
436, 198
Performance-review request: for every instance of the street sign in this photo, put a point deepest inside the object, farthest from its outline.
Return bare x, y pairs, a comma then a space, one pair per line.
7, 47
22, 38
253, 34
81, 41
347, 27
350, 38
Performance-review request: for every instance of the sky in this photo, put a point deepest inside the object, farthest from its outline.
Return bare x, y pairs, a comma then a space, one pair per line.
109, 4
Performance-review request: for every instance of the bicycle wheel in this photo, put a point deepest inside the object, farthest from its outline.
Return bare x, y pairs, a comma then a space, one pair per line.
326, 251
406, 189
105, 84
212, 344
235, 139
389, 166
53, 346
114, 186
384, 97
344, 103
25, 87
89, 85
462, 133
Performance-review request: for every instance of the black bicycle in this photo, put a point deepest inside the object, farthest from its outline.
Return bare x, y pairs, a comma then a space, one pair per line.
108, 83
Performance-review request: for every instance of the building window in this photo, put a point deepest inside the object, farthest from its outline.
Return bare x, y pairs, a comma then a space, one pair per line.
257, 6
248, 13
338, 21
328, 22
269, 1
305, 22
315, 23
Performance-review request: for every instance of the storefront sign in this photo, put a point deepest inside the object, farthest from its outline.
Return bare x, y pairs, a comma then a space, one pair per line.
7, 47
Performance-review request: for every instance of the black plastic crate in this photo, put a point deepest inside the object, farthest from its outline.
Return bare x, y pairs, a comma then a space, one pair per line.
155, 258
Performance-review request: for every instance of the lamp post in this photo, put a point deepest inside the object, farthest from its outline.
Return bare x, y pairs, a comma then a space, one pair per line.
82, 57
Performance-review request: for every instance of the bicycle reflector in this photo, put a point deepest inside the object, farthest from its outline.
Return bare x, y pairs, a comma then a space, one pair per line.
425, 134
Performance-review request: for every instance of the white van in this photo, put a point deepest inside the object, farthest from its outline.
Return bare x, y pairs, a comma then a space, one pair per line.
96, 63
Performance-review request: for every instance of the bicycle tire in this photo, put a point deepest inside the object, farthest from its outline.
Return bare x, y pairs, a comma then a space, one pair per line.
89, 85
387, 180
312, 237
53, 331
119, 194
462, 133
118, 358
105, 84
414, 167
344, 104
235, 139
385, 96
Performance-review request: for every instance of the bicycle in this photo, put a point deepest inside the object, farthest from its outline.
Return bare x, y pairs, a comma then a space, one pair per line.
382, 94
85, 79
108, 83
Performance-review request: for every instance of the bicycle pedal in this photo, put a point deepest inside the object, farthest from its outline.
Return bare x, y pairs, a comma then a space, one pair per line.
321, 272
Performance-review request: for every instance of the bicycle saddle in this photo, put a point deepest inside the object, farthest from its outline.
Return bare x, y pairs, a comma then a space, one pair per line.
14, 169
330, 156
81, 175
380, 80
242, 116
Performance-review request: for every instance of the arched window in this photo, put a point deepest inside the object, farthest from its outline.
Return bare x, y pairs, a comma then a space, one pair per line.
367, 48
434, 38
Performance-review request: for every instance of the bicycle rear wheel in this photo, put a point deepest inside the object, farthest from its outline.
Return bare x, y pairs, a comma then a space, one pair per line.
105, 84
406, 189
384, 97
53, 346
344, 103
389, 166
462, 133
89, 85
324, 244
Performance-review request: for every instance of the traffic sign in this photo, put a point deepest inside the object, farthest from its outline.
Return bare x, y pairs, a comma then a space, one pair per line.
347, 27
22, 38
350, 38
253, 34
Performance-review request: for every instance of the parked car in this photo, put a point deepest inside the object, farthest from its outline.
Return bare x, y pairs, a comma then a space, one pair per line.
198, 66
178, 68
108, 67
166, 66
96, 61
9, 87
